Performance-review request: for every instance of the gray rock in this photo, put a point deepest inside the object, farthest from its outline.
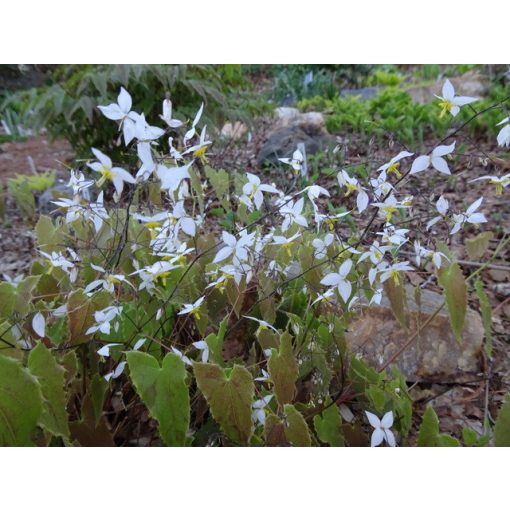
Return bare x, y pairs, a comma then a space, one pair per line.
434, 356
283, 142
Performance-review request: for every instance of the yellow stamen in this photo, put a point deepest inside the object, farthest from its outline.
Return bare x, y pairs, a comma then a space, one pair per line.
393, 168
200, 154
446, 107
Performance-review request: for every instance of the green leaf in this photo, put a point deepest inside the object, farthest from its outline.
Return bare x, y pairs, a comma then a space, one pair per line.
455, 290
49, 237
397, 296
429, 435
229, 397
51, 377
429, 428
80, 313
20, 403
296, 429
486, 309
7, 298
478, 245
502, 427
328, 426
164, 392
283, 370
98, 387
274, 431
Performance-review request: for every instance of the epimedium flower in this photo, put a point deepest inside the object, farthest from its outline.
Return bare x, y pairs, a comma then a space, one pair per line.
202, 346
193, 309
262, 324
382, 428
252, 192
296, 162
291, 213
339, 280
442, 208
109, 172
321, 245
103, 319
122, 111
498, 182
435, 159
450, 103
394, 163
393, 271
235, 247
167, 115
470, 216
352, 185
285, 243
258, 415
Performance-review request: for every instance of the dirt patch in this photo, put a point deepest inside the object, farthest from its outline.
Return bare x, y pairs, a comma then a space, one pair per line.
35, 155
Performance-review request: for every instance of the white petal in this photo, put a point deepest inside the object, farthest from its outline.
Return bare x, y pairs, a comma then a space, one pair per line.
474, 206
387, 420
331, 279
112, 112
362, 201
440, 165
124, 100
443, 150
373, 420
377, 437
224, 253
448, 90
345, 289
345, 268
390, 438
477, 218
39, 324
463, 100
419, 164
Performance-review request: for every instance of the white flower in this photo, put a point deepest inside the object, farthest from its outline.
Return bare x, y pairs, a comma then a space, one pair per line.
499, 182
390, 206
339, 280
324, 297
191, 133
291, 213
382, 430
110, 173
442, 209
435, 159
192, 308
103, 319
171, 178
284, 242
296, 161
202, 346
504, 135
321, 246
122, 111
234, 246
470, 216
352, 184
144, 132
105, 350
263, 378
117, 372
151, 274
39, 324
259, 416
262, 324
107, 283
392, 235
252, 191
167, 115
394, 270
393, 164
450, 102
185, 359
